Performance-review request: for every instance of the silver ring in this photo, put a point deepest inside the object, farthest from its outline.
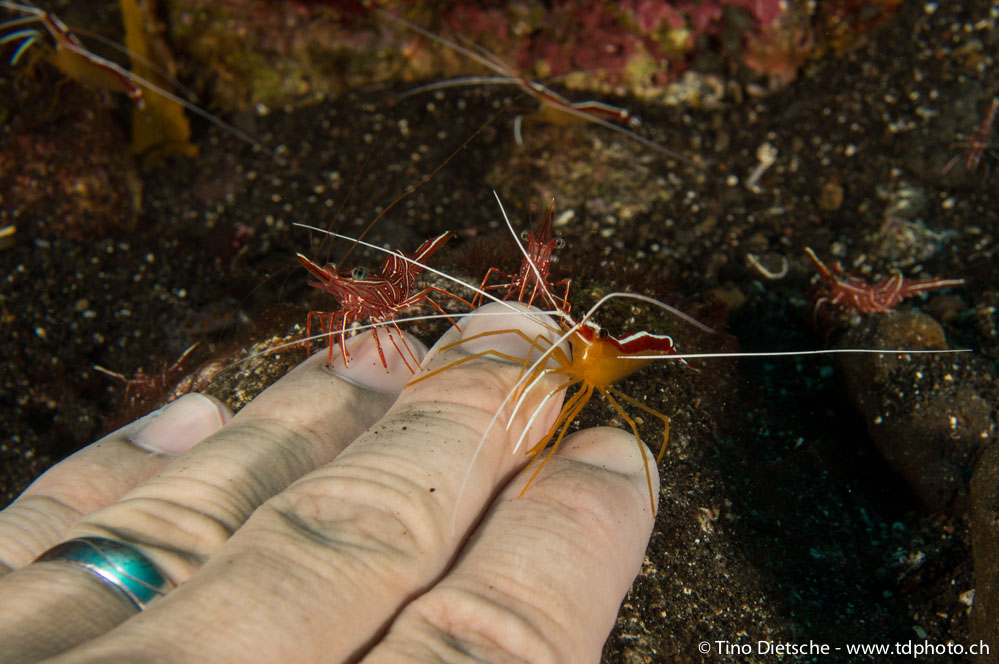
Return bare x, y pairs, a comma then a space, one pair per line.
121, 566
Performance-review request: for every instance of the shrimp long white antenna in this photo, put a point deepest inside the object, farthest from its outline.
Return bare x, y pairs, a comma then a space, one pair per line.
516, 389
523, 395
460, 82
537, 409
567, 107
683, 356
796, 353
648, 300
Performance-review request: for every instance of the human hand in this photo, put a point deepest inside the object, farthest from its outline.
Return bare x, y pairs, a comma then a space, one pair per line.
321, 524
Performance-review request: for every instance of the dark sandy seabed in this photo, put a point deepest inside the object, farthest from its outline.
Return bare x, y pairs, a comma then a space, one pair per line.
802, 498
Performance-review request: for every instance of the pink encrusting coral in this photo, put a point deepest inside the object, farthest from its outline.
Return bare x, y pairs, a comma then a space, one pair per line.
626, 44
257, 51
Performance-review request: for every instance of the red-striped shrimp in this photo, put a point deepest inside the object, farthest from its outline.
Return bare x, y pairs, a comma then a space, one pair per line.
979, 144
846, 291
535, 269
375, 297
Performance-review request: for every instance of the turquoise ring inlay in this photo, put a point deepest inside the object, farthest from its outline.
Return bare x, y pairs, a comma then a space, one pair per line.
121, 565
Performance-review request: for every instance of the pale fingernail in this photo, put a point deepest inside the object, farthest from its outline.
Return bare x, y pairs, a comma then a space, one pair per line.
181, 424
612, 449
512, 329
367, 369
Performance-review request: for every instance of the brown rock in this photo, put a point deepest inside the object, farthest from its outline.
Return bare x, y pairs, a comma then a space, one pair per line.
921, 410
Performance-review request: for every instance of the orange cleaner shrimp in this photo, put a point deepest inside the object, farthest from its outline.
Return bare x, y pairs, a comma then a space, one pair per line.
593, 361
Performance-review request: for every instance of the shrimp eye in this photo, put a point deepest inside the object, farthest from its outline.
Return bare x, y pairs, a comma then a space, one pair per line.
359, 273
602, 333
559, 243
523, 235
